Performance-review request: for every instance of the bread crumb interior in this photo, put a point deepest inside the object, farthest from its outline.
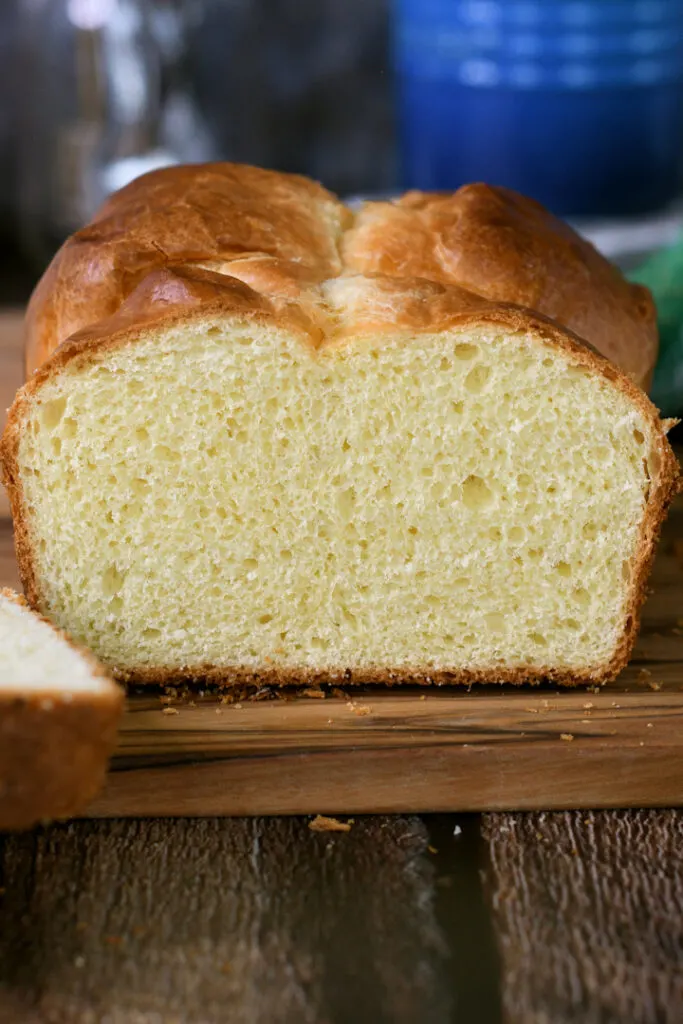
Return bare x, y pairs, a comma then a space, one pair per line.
226, 496
33, 655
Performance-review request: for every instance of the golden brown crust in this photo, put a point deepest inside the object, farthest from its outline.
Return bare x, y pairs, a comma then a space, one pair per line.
176, 216
54, 745
282, 233
271, 254
240, 676
507, 248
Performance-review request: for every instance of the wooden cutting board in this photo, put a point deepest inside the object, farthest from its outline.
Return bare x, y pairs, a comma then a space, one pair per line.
407, 750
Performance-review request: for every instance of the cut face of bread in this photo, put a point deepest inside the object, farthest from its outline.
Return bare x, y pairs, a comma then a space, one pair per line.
58, 718
413, 485
33, 654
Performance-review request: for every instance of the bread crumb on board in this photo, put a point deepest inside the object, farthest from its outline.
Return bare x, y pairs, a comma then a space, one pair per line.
359, 709
321, 823
314, 691
645, 676
566, 736
170, 711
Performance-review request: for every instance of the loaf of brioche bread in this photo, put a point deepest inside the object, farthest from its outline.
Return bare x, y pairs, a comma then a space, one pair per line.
58, 719
268, 440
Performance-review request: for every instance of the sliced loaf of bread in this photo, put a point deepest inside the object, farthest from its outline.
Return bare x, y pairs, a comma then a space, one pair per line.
58, 719
287, 444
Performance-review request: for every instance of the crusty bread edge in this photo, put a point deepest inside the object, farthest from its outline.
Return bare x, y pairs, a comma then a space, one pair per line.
54, 752
88, 347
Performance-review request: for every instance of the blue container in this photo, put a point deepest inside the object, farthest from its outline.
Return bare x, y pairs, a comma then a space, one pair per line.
578, 103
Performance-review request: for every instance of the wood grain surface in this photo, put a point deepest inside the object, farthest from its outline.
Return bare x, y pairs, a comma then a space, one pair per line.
588, 910
205, 921
442, 751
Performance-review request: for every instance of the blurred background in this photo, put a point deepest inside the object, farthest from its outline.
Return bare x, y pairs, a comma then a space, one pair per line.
578, 103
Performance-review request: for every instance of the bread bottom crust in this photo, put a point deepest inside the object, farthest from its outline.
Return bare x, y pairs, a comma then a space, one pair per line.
237, 676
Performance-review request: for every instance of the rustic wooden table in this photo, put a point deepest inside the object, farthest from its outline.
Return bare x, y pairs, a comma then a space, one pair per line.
530, 918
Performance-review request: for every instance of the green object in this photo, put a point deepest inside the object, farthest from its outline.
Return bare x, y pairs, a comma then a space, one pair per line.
662, 273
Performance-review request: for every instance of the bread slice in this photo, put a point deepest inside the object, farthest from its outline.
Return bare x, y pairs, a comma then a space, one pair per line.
259, 464
58, 719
